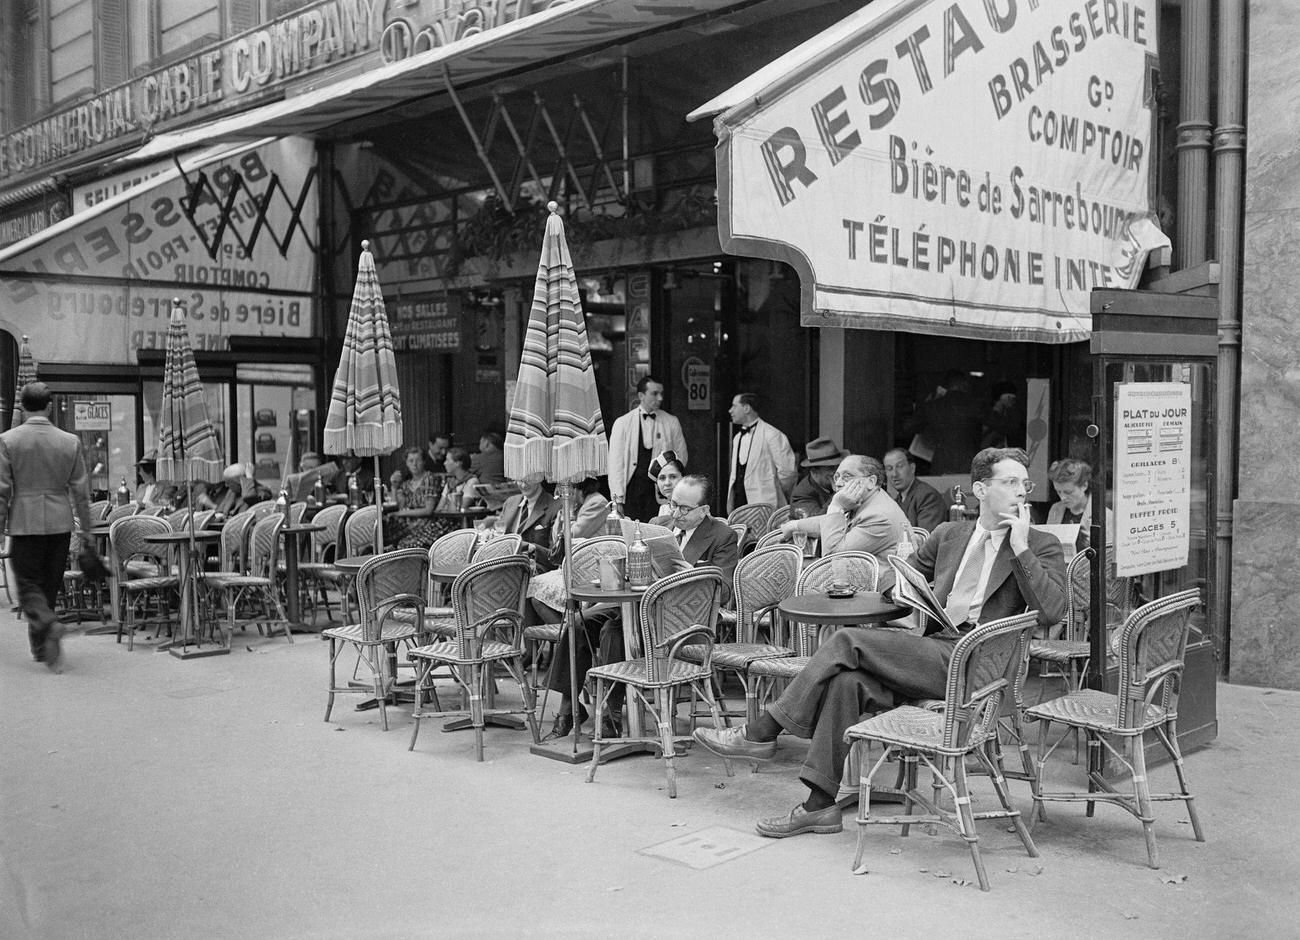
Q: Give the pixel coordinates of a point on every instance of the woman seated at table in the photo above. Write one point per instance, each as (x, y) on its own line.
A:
(666, 470)
(413, 524)
(547, 589)
(458, 491)
(1072, 480)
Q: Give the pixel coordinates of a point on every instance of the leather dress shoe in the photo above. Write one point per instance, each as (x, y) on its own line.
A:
(799, 821)
(731, 743)
(563, 725)
(53, 651)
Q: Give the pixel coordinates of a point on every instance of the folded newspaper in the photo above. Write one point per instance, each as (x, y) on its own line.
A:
(911, 588)
(665, 555)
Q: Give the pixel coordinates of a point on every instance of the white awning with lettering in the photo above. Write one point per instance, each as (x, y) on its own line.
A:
(550, 35)
(958, 167)
(236, 243)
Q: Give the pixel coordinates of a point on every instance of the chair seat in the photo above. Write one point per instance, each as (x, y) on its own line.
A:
(786, 667)
(635, 672)
(1059, 651)
(448, 651)
(245, 580)
(546, 632)
(149, 584)
(905, 726)
(142, 569)
(391, 633)
(736, 655)
(1094, 709)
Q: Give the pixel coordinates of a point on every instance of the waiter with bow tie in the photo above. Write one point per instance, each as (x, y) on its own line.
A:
(636, 439)
(763, 468)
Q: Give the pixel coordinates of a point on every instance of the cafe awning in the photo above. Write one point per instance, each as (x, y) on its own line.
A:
(551, 35)
(962, 168)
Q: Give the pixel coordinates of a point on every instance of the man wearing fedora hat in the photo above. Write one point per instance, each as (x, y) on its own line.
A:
(813, 493)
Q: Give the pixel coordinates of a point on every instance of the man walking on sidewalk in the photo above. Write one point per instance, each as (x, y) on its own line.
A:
(42, 477)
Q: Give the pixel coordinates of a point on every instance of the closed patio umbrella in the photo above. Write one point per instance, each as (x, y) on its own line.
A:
(26, 373)
(188, 448)
(556, 432)
(365, 414)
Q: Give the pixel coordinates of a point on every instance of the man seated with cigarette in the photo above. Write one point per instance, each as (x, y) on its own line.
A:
(983, 570)
(702, 540)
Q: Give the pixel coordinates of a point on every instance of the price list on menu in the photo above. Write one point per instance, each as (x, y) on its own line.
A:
(1152, 466)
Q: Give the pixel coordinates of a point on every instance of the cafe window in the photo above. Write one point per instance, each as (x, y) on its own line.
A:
(29, 62)
(71, 47)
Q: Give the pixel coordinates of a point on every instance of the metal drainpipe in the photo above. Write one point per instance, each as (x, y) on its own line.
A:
(1229, 159)
(1193, 135)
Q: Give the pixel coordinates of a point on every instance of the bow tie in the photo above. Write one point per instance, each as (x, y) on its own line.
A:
(647, 414)
(746, 429)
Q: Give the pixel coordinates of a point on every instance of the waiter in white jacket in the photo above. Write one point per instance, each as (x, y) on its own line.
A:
(636, 439)
(763, 468)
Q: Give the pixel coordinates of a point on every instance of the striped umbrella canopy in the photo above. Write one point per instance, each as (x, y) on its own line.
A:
(556, 432)
(26, 373)
(365, 415)
(188, 448)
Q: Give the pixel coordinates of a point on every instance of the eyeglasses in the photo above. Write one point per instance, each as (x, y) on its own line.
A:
(677, 507)
(844, 477)
(1012, 482)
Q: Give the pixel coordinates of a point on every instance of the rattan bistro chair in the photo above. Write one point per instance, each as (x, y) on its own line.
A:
(130, 551)
(487, 599)
(500, 546)
(982, 669)
(762, 579)
(677, 611)
(1068, 655)
(259, 588)
(386, 584)
(1152, 650)
(754, 517)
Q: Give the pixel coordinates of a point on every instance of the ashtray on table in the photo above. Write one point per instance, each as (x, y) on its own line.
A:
(841, 595)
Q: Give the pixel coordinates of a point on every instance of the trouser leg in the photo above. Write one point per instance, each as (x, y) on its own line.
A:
(39, 562)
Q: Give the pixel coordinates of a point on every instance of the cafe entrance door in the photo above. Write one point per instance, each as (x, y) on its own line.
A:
(1154, 373)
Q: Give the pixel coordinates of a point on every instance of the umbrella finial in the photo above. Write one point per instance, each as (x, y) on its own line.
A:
(24, 337)
(365, 244)
(176, 301)
(553, 206)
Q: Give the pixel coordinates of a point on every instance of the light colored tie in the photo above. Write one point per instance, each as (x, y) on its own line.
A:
(968, 579)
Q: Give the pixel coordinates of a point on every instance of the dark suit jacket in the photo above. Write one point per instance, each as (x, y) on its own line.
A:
(537, 526)
(714, 543)
(1033, 580)
(924, 506)
(42, 479)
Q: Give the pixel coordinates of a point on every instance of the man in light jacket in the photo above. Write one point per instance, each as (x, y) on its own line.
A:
(763, 468)
(42, 477)
(636, 439)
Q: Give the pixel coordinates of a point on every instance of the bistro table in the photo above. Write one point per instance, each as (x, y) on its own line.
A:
(629, 599)
(105, 549)
(863, 607)
(189, 565)
(291, 535)
(464, 517)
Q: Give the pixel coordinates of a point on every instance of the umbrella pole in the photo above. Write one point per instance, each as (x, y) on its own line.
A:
(379, 510)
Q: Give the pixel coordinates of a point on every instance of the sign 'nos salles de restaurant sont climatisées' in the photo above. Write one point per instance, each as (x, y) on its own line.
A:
(971, 167)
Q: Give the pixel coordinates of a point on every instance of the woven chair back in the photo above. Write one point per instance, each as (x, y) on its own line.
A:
(264, 545)
(489, 596)
(986, 663)
(767, 539)
(178, 519)
(121, 512)
(127, 537)
(262, 509)
(671, 605)
(1152, 652)
(201, 519)
(859, 570)
(1078, 595)
(917, 534)
(389, 582)
(234, 542)
(454, 548)
(296, 512)
(741, 531)
(99, 509)
(585, 560)
(499, 547)
(753, 515)
(762, 580)
(359, 532)
(324, 539)
(779, 517)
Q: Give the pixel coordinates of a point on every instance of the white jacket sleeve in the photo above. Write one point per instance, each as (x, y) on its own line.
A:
(618, 458)
(787, 468)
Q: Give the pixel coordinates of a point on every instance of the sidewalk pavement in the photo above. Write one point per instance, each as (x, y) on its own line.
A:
(144, 796)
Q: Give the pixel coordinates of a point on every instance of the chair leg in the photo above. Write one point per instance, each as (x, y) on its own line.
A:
(518, 671)
(1004, 797)
(1142, 793)
(422, 669)
(663, 703)
(477, 678)
(597, 742)
(864, 798)
(1169, 736)
(329, 705)
(967, 819)
(377, 667)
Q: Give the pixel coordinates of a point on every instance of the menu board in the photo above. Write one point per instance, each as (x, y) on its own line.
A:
(1153, 448)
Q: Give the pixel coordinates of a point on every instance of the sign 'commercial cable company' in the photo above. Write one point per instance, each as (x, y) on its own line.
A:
(972, 168)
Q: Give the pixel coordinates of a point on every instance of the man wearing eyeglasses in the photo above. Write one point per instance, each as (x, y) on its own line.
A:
(993, 567)
(861, 516)
(703, 540)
